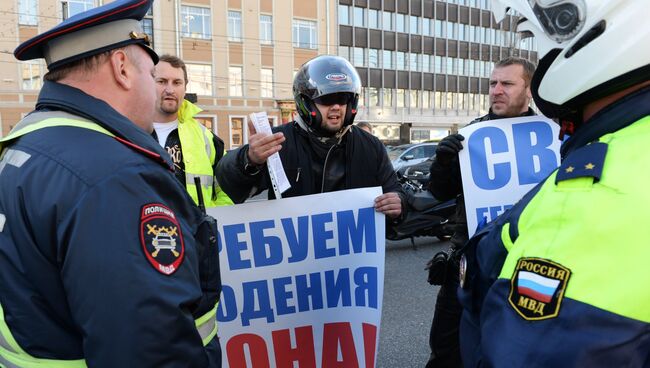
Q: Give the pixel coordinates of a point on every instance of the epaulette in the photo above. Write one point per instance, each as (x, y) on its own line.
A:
(587, 161)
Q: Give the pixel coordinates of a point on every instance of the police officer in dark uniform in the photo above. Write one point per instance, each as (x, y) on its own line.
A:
(509, 97)
(99, 260)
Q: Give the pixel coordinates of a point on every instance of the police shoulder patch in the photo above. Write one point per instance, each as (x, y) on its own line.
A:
(161, 238)
(537, 288)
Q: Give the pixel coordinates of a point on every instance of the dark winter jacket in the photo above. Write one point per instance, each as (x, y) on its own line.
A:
(358, 161)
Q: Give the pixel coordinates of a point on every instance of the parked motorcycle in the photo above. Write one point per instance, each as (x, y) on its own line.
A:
(426, 215)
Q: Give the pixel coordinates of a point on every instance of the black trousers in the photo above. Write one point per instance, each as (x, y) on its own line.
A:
(443, 337)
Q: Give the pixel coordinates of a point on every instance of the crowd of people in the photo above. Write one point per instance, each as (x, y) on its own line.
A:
(105, 185)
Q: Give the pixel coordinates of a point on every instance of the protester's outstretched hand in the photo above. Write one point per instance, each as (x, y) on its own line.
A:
(261, 146)
(390, 204)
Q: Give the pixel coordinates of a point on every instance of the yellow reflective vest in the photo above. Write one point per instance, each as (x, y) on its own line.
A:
(199, 155)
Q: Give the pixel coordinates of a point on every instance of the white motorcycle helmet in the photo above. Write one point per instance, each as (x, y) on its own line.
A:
(588, 49)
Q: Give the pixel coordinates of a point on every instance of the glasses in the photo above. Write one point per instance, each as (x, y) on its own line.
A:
(334, 99)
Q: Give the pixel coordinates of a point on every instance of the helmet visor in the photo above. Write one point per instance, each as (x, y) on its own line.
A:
(334, 99)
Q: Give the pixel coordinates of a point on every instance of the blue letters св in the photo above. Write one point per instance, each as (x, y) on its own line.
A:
(478, 158)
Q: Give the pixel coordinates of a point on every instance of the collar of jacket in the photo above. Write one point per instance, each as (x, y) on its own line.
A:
(57, 96)
(614, 117)
(187, 111)
(493, 116)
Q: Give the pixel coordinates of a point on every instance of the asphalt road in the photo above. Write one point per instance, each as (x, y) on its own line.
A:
(408, 304)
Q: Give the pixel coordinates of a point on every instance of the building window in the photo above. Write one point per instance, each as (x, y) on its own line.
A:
(426, 63)
(415, 24)
(438, 64)
(438, 101)
(359, 56)
(387, 59)
(439, 28)
(373, 18)
(344, 52)
(415, 62)
(401, 97)
(426, 99)
(147, 26)
(461, 101)
(451, 101)
(420, 135)
(28, 12)
(359, 17)
(414, 98)
(266, 29)
(304, 34)
(74, 7)
(426, 26)
(199, 79)
(400, 22)
(451, 67)
(460, 67)
(401, 60)
(31, 74)
(387, 21)
(234, 26)
(373, 58)
(236, 131)
(235, 75)
(387, 97)
(373, 96)
(266, 82)
(344, 15)
(195, 22)
(451, 30)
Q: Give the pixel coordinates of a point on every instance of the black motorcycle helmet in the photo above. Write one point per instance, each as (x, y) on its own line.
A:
(323, 80)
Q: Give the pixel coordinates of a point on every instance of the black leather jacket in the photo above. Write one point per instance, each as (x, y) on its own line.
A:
(359, 160)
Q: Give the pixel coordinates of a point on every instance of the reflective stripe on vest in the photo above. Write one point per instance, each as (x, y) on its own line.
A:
(11, 354)
(206, 180)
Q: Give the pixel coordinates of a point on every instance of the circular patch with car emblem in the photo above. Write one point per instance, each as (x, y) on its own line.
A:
(161, 238)
(537, 288)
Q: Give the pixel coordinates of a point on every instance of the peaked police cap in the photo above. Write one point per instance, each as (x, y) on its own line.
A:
(111, 26)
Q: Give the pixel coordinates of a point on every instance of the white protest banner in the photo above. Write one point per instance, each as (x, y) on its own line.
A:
(302, 280)
(502, 160)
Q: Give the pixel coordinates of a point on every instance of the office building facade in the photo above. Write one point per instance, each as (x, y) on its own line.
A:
(424, 64)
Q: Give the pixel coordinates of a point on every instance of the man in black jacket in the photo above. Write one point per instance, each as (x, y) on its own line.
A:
(321, 150)
(510, 96)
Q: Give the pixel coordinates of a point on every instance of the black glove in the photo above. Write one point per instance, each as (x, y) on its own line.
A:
(449, 147)
(437, 268)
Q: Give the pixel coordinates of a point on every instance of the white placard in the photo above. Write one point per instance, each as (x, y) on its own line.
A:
(502, 160)
(302, 280)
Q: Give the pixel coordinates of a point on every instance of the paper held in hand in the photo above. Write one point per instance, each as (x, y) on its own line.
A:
(276, 170)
